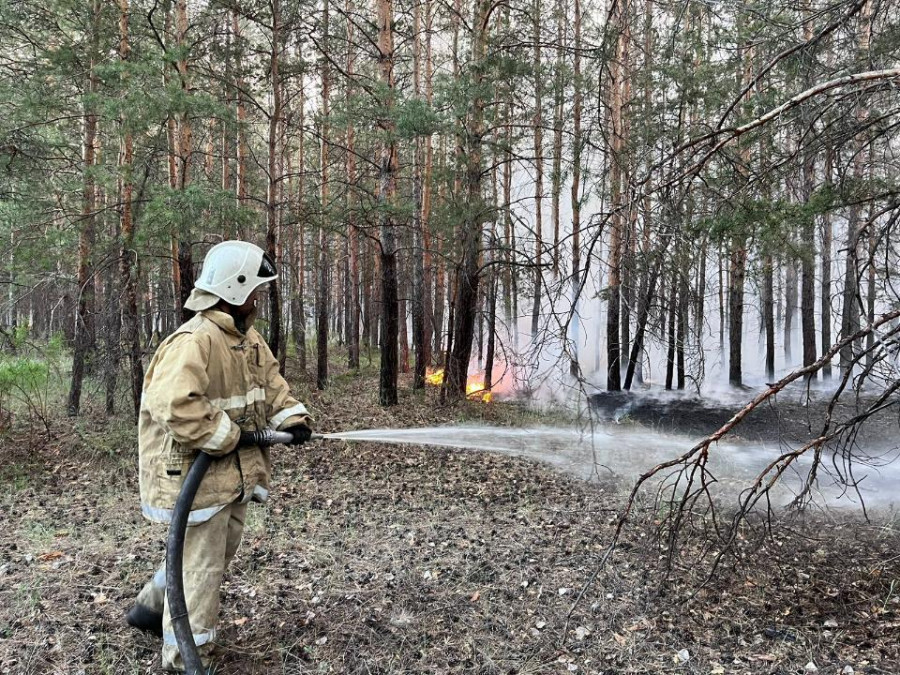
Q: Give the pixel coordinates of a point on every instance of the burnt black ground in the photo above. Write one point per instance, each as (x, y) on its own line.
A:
(794, 415)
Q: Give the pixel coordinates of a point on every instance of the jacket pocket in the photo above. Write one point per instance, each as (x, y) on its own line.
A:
(174, 459)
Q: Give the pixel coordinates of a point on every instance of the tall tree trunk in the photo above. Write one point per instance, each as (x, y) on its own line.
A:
(808, 241)
(274, 169)
(558, 98)
(420, 344)
(322, 286)
(574, 368)
(870, 289)
(827, 236)
(700, 308)
(472, 230)
(132, 335)
(402, 324)
(537, 124)
(172, 165)
(720, 257)
(646, 208)
(768, 311)
(366, 301)
(736, 310)
(738, 243)
(241, 115)
(453, 289)
(428, 272)
(511, 308)
(352, 230)
(112, 331)
(440, 278)
(493, 282)
(184, 256)
(84, 322)
(387, 171)
(210, 153)
(790, 308)
(645, 303)
(300, 323)
(628, 246)
(670, 351)
(225, 142)
(616, 106)
(682, 321)
(852, 302)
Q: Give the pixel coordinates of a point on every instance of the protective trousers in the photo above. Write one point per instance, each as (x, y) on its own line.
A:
(208, 549)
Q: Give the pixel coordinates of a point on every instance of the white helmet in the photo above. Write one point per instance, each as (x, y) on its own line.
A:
(232, 269)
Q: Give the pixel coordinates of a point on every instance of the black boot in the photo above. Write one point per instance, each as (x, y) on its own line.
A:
(146, 619)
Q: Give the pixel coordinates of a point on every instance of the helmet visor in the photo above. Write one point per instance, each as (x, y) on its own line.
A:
(267, 269)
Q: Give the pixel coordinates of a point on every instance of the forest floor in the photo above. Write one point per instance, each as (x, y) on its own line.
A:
(404, 559)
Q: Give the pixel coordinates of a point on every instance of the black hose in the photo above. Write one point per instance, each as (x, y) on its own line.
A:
(181, 624)
(178, 611)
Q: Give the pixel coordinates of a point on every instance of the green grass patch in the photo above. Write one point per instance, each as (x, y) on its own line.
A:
(15, 477)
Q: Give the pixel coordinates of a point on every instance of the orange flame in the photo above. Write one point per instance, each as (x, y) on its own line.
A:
(475, 390)
(435, 376)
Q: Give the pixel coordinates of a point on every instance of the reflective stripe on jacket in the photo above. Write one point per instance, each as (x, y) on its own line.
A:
(206, 383)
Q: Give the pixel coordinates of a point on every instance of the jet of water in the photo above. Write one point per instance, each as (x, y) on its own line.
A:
(624, 451)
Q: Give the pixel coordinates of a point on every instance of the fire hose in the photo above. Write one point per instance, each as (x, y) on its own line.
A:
(181, 624)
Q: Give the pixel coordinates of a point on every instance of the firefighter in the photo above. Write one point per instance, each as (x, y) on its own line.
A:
(211, 379)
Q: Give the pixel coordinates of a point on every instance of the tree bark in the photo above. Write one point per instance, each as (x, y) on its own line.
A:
(614, 288)
(682, 326)
(132, 334)
(184, 149)
(537, 125)
(387, 171)
(300, 299)
(670, 330)
(84, 322)
(472, 230)
(850, 304)
(827, 236)
(574, 367)
(440, 283)
(352, 229)
(274, 170)
(420, 343)
(225, 142)
(427, 188)
(790, 308)
(322, 287)
(738, 253)
(807, 238)
(558, 99)
(493, 282)
(241, 114)
(850, 312)
(736, 310)
(768, 311)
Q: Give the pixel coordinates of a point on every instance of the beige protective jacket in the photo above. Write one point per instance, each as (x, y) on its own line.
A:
(206, 383)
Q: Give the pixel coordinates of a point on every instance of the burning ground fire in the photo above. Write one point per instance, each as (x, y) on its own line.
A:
(474, 385)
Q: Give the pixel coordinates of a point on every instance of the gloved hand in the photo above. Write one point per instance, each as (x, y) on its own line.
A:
(300, 432)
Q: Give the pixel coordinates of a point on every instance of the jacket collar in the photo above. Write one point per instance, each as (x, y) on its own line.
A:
(224, 321)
